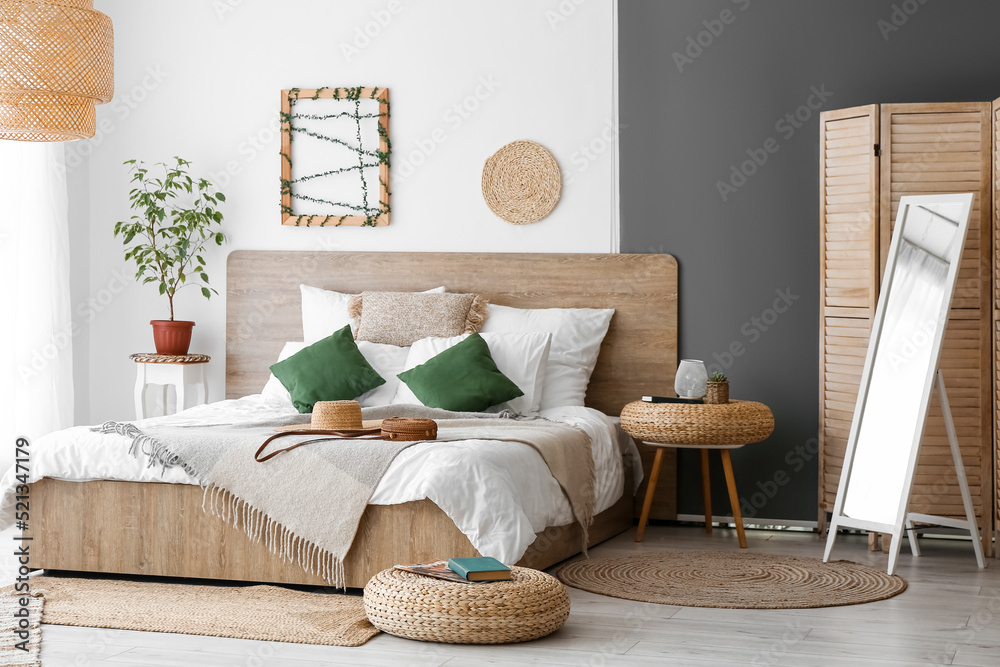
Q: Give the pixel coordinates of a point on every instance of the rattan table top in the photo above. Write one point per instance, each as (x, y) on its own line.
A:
(732, 424)
(153, 358)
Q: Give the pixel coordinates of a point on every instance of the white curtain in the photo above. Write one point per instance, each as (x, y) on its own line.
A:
(36, 328)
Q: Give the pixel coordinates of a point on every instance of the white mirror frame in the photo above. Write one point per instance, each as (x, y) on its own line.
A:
(903, 520)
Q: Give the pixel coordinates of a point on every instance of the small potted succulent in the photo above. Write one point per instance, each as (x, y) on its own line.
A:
(717, 389)
(171, 235)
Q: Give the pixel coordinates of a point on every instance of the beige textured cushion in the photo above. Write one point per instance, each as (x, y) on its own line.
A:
(401, 318)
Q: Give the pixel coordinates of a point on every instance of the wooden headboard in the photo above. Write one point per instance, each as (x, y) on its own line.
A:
(639, 354)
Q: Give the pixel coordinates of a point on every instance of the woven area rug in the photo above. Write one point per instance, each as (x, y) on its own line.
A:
(268, 613)
(732, 580)
(14, 648)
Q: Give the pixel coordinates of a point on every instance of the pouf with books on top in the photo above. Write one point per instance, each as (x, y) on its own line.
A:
(530, 605)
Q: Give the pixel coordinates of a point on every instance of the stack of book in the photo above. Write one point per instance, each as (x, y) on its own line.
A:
(462, 570)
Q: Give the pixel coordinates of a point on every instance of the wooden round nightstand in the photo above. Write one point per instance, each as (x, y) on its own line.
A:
(705, 426)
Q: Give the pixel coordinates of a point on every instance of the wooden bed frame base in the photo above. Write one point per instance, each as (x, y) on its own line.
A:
(161, 529)
(153, 529)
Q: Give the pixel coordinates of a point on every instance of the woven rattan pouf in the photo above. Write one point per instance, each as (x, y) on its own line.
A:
(531, 605)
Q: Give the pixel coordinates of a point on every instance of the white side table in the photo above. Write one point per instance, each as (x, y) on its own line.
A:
(177, 370)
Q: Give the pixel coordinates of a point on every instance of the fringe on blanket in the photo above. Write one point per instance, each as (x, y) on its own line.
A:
(221, 503)
(279, 540)
(156, 453)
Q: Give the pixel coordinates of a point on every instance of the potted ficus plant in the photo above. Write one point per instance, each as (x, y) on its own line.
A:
(717, 389)
(176, 217)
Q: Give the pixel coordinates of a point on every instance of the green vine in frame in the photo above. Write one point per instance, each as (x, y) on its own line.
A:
(367, 158)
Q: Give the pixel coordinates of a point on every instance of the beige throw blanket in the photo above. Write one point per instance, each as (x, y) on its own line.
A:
(306, 504)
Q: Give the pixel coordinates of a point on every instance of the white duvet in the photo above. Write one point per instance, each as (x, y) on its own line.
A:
(499, 494)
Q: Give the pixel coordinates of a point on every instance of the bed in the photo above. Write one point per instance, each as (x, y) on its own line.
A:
(161, 529)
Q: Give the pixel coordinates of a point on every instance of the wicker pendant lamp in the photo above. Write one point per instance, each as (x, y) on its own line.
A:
(56, 65)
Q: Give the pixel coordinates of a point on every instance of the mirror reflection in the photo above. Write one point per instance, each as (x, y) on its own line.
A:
(904, 361)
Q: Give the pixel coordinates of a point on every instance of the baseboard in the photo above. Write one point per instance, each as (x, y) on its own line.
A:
(755, 522)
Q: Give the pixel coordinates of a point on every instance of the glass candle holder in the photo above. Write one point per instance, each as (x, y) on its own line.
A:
(691, 379)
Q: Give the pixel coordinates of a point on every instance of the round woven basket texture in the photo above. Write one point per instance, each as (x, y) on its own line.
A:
(733, 423)
(404, 428)
(531, 605)
(522, 182)
(56, 64)
(336, 415)
(731, 580)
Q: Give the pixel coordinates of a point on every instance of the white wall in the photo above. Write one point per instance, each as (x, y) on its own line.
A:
(201, 79)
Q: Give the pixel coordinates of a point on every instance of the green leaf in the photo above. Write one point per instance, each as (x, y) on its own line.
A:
(163, 288)
(206, 293)
(220, 196)
(204, 276)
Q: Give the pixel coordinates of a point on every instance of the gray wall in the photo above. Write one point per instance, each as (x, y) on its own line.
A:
(689, 118)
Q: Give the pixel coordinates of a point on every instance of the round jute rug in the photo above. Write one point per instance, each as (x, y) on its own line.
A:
(732, 580)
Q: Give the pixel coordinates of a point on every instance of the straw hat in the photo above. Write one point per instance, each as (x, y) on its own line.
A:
(335, 416)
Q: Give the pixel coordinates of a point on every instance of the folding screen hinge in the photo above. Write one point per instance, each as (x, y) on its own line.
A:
(878, 151)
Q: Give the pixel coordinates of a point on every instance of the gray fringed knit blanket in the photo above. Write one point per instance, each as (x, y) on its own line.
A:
(306, 504)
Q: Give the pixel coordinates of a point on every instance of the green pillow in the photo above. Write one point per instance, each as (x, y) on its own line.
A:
(463, 378)
(332, 369)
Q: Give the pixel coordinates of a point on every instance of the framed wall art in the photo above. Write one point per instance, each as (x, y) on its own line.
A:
(335, 157)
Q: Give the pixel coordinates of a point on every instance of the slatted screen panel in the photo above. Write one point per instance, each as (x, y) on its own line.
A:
(947, 149)
(849, 210)
(849, 237)
(942, 149)
(846, 343)
(996, 309)
(935, 487)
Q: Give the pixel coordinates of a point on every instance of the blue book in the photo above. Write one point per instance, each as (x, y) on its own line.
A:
(479, 569)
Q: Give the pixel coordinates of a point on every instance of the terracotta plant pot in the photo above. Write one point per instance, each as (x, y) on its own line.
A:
(172, 336)
(717, 392)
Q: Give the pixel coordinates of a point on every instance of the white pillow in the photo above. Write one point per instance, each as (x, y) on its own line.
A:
(387, 360)
(577, 334)
(519, 356)
(325, 311)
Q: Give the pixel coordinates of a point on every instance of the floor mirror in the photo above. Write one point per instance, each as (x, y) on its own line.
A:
(900, 374)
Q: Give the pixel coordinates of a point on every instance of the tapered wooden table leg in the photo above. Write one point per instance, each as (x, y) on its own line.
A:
(647, 504)
(734, 499)
(706, 490)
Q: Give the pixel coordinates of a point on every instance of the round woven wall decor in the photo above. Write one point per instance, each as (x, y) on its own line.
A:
(522, 182)
(731, 580)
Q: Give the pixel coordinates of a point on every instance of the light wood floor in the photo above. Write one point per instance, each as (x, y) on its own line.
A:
(949, 615)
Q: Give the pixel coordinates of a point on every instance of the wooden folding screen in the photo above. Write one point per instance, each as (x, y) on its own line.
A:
(917, 149)
(996, 310)
(849, 267)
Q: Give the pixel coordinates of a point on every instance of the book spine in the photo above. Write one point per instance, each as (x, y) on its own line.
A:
(458, 569)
